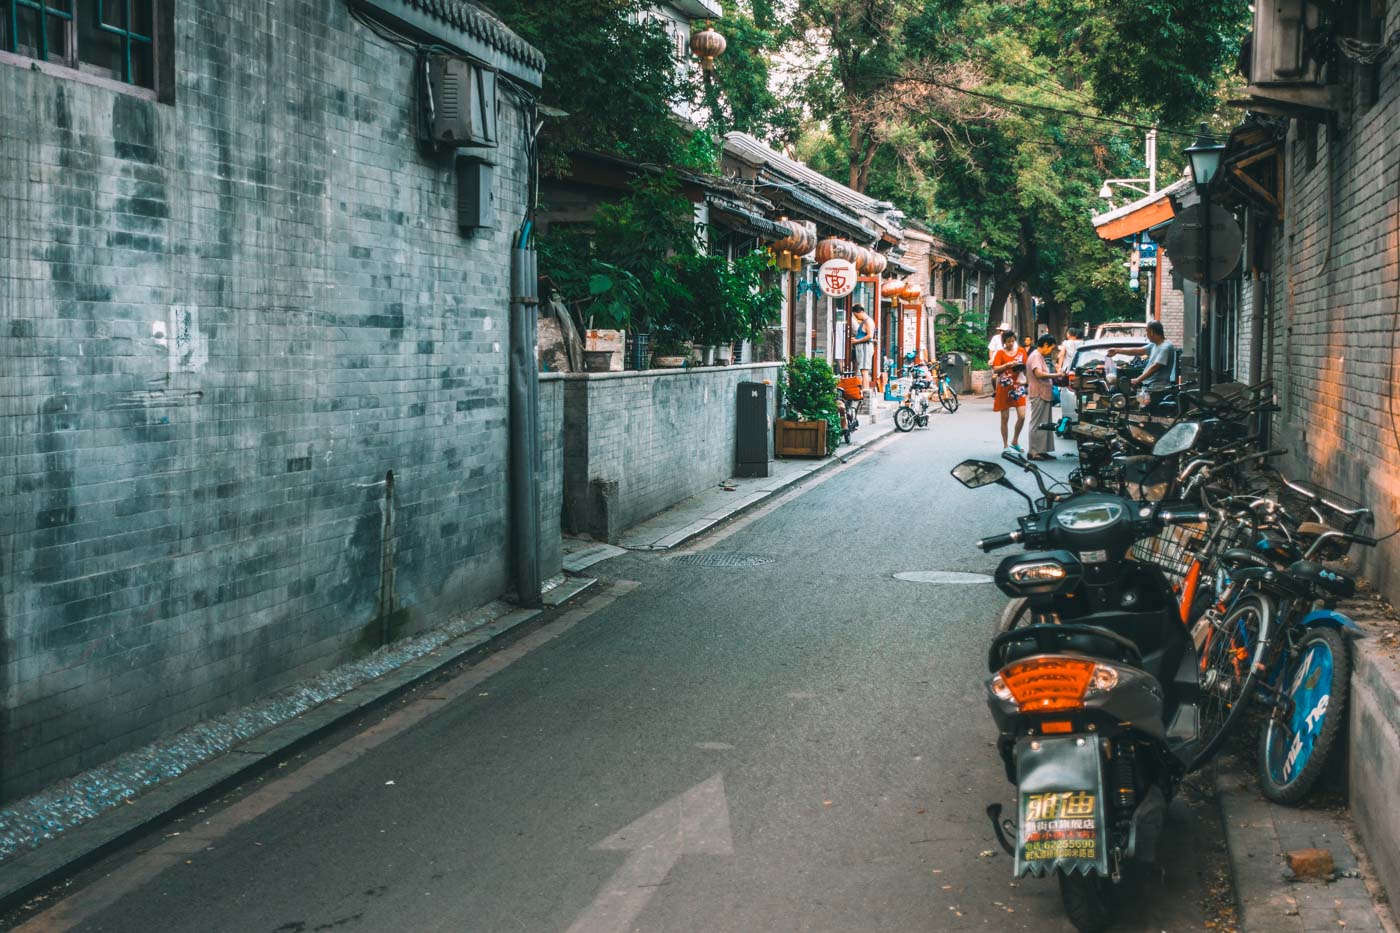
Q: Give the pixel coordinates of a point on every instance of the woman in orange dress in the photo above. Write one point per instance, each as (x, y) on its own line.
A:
(1009, 366)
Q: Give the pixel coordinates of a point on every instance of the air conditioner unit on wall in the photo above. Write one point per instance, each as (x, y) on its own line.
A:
(1282, 45)
(462, 102)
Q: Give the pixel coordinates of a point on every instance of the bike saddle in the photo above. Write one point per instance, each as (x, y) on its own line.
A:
(1236, 557)
(1320, 578)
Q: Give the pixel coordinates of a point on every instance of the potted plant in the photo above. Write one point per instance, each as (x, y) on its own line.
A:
(813, 424)
(670, 352)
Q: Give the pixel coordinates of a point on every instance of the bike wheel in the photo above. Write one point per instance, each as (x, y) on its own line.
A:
(904, 418)
(1088, 901)
(1301, 734)
(949, 398)
(1231, 654)
(1013, 614)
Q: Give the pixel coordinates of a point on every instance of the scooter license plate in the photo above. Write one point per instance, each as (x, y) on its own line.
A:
(1061, 816)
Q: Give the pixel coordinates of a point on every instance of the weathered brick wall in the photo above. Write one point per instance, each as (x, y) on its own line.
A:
(1336, 311)
(226, 321)
(1173, 302)
(661, 436)
(551, 473)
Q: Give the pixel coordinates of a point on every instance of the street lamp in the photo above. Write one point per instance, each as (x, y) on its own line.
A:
(1204, 157)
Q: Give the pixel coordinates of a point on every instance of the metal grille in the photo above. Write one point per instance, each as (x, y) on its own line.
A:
(722, 559)
(1172, 550)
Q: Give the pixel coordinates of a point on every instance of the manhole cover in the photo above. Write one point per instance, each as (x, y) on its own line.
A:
(709, 559)
(946, 577)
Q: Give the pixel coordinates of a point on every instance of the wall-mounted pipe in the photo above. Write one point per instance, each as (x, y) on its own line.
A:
(524, 436)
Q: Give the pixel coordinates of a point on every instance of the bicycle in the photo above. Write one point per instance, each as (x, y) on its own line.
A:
(1267, 635)
(943, 383)
(905, 416)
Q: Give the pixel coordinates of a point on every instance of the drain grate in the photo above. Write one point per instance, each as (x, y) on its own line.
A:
(722, 559)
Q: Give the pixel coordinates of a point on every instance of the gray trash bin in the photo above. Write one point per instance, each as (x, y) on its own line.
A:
(959, 369)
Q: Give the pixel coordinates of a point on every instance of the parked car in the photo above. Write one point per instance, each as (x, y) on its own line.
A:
(1134, 329)
(1088, 370)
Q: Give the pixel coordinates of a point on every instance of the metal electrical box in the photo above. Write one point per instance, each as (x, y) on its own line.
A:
(476, 197)
(753, 429)
(461, 102)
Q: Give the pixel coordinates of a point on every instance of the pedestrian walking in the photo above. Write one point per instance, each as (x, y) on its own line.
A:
(1040, 380)
(1009, 366)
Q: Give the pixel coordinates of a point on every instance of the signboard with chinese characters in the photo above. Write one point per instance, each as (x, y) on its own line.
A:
(1061, 819)
(837, 277)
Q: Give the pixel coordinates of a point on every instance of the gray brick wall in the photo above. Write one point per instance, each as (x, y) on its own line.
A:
(226, 320)
(1336, 311)
(661, 436)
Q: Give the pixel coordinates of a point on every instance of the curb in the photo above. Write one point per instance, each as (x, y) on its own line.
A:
(1258, 836)
(27, 875)
(695, 530)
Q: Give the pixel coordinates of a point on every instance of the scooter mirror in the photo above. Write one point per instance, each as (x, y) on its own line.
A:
(1178, 439)
(975, 474)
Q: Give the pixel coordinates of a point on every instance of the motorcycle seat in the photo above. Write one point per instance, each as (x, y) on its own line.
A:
(1320, 578)
(1242, 557)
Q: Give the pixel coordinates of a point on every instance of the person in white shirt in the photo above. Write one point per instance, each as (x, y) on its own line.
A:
(1068, 349)
(995, 343)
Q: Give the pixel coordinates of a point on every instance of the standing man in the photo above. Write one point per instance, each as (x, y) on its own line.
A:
(1068, 348)
(862, 343)
(1041, 389)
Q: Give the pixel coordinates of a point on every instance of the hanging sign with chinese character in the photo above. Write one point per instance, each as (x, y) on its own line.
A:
(837, 277)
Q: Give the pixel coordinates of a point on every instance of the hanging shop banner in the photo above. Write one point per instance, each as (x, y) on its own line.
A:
(838, 277)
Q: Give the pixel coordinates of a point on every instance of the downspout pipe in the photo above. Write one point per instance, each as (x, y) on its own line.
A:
(524, 400)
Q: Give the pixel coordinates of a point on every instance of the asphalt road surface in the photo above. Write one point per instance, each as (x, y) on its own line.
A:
(797, 743)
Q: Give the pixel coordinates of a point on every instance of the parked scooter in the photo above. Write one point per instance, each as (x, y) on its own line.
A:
(848, 398)
(1093, 690)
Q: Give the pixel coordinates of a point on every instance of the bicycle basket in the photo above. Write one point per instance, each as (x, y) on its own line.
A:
(1173, 550)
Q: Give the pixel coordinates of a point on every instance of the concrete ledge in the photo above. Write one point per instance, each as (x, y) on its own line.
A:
(1374, 755)
(661, 373)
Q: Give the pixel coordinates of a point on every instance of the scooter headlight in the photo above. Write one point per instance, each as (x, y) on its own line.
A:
(1041, 571)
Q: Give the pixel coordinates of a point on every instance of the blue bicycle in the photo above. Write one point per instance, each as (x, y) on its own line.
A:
(1281, 638)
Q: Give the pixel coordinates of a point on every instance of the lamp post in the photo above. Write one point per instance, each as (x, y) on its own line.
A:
(1204, 155)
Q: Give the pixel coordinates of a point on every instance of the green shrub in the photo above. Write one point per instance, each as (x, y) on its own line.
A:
(809, 392)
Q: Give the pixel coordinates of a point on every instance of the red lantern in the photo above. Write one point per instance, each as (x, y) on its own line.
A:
(892, 288)
(878, 262)
(708, 45)
(835, 248)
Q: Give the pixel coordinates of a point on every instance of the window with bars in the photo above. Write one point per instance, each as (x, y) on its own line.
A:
(111, 38)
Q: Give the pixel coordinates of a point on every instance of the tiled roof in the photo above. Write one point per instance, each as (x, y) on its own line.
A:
(478, 22)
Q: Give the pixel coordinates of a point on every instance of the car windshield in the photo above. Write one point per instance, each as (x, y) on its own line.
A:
(1089, 356)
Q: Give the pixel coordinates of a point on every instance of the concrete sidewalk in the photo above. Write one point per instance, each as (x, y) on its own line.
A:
(71, 824)
(694, 516)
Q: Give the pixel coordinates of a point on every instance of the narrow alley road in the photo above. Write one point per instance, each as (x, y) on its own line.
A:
(795, 742)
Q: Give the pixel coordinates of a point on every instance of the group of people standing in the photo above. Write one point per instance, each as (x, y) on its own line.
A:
(1034, 370)
(1022, 371)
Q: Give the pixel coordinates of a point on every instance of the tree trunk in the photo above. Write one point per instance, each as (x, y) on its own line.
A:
(1015, 276)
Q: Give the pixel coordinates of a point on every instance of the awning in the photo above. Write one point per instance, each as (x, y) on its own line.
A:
(746, 221)
(1143, 214)
(1252, 170)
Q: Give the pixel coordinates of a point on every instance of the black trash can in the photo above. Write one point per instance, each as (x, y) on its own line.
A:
(959, 370)
(753, 428)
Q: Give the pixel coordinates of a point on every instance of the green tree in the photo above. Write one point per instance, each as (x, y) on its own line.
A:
(610, 66)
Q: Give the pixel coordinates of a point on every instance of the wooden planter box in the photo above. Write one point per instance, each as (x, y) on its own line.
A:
(799, 438)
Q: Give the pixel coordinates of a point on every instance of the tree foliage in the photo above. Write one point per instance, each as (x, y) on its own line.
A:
(611, 68)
